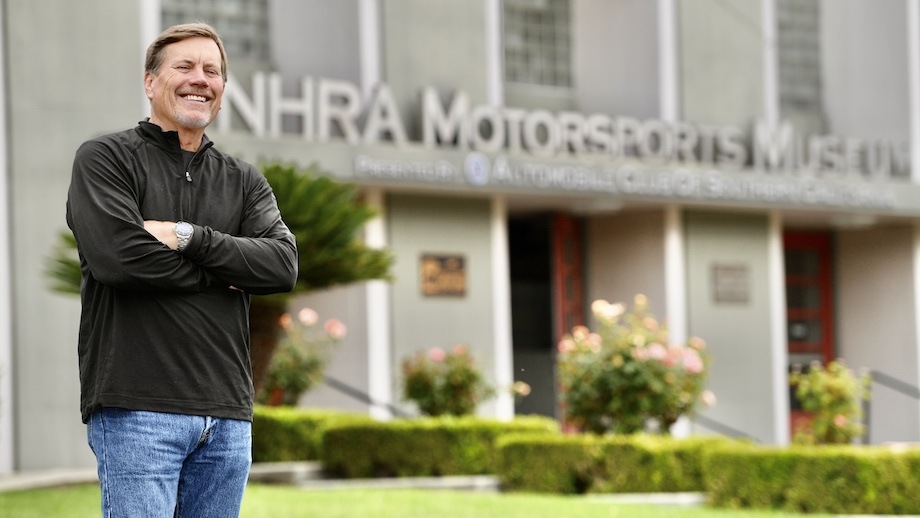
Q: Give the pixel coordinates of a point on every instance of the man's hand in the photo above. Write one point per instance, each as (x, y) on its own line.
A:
(163, 231)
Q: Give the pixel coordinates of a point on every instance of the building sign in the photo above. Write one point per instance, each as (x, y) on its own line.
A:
(731, 283)
(330, 109)
(443, 275)
(594, 155)
(634, 180)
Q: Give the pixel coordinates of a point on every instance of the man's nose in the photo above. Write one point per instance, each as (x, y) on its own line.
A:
(198, 77)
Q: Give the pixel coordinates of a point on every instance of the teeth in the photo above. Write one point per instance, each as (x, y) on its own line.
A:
(195, 98)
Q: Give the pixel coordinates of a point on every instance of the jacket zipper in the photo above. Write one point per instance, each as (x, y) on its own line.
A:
(188, 178)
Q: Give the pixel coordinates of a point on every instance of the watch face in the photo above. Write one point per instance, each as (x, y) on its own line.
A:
(183, 228)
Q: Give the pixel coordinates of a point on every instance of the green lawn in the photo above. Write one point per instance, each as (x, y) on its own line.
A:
(265, 501)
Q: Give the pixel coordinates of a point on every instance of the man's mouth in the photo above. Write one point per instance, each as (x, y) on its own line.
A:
(195, 98)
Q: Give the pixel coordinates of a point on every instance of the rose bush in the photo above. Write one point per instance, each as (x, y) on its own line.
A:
(625, 377)
(441, 382)
(833, 395)
(299, 362)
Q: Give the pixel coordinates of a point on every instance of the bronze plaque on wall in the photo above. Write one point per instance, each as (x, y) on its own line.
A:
(443, 275)
(731, 283)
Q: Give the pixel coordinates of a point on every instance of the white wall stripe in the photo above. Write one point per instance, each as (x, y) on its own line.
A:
(913, 56)
(6, 275)
(495, 76)
(770, 65)
(913, 66)
(668, 81)
(150, 27)
(369, 24)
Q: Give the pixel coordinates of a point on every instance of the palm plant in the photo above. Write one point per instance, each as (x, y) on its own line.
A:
(326, 218)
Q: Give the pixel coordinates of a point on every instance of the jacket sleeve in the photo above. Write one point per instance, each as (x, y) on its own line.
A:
(103, 213)
(263, 258)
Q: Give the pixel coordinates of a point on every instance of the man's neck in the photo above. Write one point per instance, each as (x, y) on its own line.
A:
(189, 138)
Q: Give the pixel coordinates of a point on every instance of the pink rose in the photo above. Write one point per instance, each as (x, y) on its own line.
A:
(307, 317)
(594, 342)
(335, 328)
(840, 420)
(286, 321)
(436, 354)
(656, 351)
(692, 361)
(709, 399)
(640, 354)
(566, 345)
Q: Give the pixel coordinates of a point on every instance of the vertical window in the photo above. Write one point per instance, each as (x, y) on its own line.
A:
(799, 60)
(242, 24)
(537, 42)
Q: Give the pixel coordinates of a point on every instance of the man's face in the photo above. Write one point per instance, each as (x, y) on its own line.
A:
(185, 93)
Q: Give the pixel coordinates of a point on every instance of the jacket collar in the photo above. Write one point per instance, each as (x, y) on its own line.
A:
(167, 140)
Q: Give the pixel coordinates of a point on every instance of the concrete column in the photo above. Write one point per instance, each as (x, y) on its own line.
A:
(379, 361)
(776, 270)
(501, 302)
(675, 273)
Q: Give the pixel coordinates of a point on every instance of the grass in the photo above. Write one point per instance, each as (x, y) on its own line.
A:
(270, 501)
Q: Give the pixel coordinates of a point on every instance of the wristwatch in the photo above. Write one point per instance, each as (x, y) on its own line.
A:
(184, 231)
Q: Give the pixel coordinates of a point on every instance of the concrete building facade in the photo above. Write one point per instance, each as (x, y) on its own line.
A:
(746, 165)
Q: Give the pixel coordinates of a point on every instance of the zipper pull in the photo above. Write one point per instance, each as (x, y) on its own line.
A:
(188, 177)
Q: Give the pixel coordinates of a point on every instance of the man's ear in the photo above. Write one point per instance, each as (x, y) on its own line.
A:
(148, 84)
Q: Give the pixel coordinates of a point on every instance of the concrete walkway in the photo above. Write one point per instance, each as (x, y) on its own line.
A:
(309, 476)
(306, 475)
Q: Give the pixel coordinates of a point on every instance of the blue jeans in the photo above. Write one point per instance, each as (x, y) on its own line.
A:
(170, 465)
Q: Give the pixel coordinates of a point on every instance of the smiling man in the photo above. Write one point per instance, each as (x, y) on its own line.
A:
(173, 237)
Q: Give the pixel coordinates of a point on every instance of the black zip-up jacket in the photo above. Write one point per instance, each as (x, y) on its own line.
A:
(163, 330)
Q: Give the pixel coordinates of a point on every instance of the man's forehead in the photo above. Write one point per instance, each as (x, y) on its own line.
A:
(196, 48)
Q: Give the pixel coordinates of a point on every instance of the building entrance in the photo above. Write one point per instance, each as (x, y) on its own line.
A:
(809, 305)
(547, 299)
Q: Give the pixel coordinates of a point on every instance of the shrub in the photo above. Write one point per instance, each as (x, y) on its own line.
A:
(832, 479)
(626, 378)
(421, 446)
(299, 362)
(444, 383)
(292, 434)
(603, 464)
(833, 395)
(564, 464)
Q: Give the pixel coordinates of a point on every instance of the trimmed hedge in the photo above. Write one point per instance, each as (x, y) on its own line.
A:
(291, 433)
(826, 479)
(429, 446)
(574, 464)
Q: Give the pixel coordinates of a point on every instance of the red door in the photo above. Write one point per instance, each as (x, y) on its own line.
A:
(809, 296)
